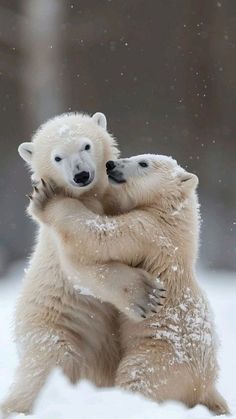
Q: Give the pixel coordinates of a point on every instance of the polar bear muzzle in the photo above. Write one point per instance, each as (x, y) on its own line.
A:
(83, 178)
(114, 175)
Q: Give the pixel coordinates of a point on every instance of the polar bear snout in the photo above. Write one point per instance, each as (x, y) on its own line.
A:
(114, 174)
(110, 165)
(82, 178)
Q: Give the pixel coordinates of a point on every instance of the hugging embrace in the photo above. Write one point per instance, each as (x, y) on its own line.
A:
(110, 294)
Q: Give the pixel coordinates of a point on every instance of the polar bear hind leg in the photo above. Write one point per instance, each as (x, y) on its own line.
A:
(155, 375)
(216, 403)
(31, 374)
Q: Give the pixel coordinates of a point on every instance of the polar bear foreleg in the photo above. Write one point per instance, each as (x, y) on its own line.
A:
(130, 290)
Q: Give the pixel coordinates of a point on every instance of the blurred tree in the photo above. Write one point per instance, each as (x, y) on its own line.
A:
(43, 50)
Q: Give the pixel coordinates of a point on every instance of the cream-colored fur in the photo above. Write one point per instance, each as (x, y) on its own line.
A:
(171, 355)
(58, 322)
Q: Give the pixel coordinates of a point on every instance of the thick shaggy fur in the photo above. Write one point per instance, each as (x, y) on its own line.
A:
(58, 322)
(171, 355)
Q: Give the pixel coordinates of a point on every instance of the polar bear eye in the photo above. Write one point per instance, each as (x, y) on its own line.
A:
(143, 164)
(57, 158)
(87, 147)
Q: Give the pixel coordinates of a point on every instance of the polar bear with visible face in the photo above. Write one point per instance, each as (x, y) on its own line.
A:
(58, 321)
(171, 355)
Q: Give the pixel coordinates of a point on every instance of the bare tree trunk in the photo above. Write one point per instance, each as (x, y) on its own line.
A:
(39, 52)
(42, 86)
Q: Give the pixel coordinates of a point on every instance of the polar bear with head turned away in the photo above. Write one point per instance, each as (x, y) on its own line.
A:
(154, 224)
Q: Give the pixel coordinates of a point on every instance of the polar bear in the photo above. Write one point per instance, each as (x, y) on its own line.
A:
(58, 321)
(171, 355)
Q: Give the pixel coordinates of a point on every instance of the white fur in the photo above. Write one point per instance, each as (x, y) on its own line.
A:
(57, 322)
(25, 151)
(100, 119)
(156, 226)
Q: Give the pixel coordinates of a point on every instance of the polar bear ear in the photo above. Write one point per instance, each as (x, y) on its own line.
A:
(25, 150)
(100, 119)
(189, 181)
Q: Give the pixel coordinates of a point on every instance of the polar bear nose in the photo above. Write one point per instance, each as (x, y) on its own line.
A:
(81, 177)
(110, 165)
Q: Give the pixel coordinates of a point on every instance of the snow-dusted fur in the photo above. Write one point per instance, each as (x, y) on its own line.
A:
(57, 323)
(171, 355)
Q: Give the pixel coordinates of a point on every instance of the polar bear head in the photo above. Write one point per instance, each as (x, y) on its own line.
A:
(151, 179)
(71, 150)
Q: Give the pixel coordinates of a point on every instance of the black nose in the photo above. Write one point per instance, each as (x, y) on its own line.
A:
(110, 165)
(81, 177)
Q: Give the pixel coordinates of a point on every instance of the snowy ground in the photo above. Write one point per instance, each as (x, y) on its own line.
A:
(59, 400)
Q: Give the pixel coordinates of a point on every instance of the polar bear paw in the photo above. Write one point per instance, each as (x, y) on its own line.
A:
(144, 297)
(43, 193)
